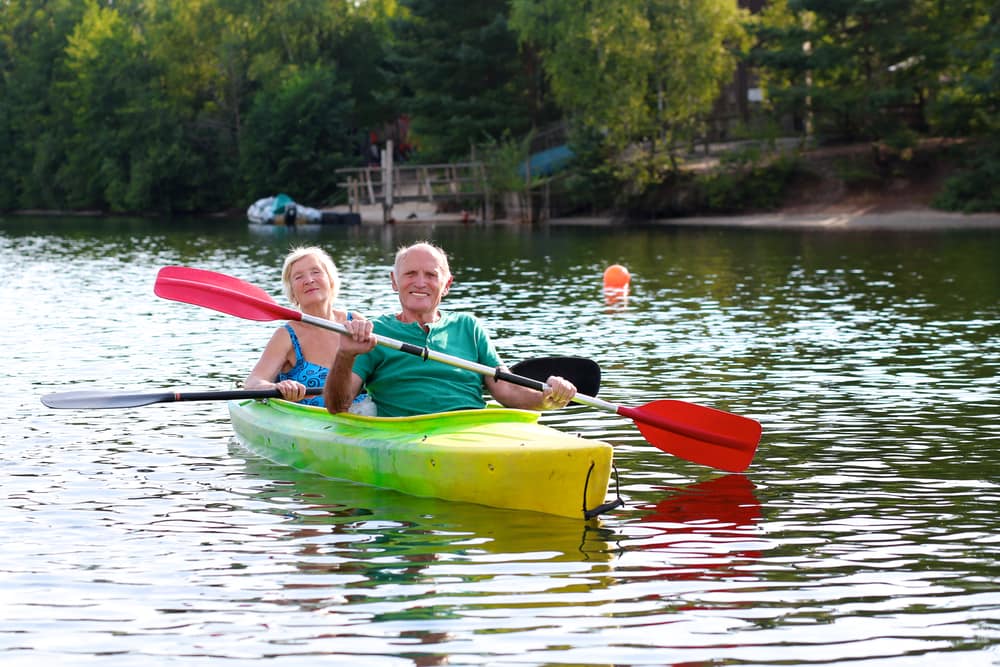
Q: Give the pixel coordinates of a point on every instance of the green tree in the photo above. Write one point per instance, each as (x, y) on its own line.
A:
(864, 69)
(972, 107)
(244, 91)
(32, 127)
(642, 73)
(116, 115)
(299, 158)
(969, 102)
(463, 79)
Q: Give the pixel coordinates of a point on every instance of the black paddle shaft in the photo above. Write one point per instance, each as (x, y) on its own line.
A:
(584, 373)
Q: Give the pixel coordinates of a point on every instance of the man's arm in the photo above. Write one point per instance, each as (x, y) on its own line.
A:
(512, 395)
(342, 384)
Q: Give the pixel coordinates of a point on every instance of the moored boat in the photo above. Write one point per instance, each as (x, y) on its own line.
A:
(494, 456)
(282, 211)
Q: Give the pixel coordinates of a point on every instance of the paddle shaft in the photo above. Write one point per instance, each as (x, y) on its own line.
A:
(498, 374)
(582, 372)
(237, 394)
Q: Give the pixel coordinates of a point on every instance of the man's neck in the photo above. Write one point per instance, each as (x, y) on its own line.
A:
(425, 320)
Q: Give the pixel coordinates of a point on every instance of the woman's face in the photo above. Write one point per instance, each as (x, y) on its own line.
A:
(310, 282)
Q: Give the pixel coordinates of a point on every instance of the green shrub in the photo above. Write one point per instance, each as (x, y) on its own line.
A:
(759, 188)
(976, 187)
(857, 173)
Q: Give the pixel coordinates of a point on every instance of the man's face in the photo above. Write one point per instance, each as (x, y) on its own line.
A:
(421, 281)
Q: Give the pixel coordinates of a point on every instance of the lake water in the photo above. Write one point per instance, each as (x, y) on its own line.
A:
(866, 531)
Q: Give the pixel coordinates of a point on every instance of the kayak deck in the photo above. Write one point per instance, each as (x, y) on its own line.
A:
(495, 456)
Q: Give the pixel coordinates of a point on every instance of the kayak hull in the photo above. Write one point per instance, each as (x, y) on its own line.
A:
(495, 456)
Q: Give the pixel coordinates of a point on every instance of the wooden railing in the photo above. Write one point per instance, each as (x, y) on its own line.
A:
(390, 184)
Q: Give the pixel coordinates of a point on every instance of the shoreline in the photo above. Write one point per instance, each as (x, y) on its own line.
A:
(828, 219)
(868, 213)
(849, 220)
(883, 215)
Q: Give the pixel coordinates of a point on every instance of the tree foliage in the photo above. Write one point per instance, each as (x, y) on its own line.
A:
(864, 69)
(463, 79)
(32, 35)
(195, 105)
(283, 157)
(643, 73)
(169, 105)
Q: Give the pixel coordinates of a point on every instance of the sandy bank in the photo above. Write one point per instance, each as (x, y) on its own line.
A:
(908, 220)
(833, 218)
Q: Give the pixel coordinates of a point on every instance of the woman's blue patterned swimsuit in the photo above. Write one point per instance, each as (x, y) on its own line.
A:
(306, 372)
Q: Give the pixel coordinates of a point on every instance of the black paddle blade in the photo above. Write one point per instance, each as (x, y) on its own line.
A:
(584, 373)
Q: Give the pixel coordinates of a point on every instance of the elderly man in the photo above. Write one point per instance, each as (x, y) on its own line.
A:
(403, 384)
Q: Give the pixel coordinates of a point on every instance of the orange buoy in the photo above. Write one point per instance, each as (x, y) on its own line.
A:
(616, 277)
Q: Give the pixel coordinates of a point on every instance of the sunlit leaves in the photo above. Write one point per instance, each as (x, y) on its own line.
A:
(640, 72)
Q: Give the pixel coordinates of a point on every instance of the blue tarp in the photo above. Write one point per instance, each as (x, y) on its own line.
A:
(548, 162)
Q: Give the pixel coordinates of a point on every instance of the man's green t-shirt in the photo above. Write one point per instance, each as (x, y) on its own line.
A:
(404, 384)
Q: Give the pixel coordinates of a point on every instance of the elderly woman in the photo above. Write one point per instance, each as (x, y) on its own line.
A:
(299, 355)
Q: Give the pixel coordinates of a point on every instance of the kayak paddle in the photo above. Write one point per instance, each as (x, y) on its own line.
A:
(578, 370)
(123, 399)
(697, 433)
(584, 373)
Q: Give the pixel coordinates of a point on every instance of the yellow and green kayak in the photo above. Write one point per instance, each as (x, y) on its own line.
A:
(494, 456)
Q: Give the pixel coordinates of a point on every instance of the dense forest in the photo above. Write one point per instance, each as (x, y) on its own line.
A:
(179, 106)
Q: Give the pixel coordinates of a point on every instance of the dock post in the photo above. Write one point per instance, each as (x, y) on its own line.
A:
(387, 182)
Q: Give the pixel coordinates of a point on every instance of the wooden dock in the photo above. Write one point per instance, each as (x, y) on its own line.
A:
(390, 184)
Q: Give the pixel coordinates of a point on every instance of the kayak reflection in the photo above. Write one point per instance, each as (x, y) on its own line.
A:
(322, 512)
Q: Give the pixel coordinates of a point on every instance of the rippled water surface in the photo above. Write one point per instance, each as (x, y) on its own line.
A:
(865, 532)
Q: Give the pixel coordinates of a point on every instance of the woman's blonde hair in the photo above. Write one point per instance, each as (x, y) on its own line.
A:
(324, 260)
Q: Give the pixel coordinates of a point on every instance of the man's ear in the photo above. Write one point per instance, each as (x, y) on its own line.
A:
(392, 277)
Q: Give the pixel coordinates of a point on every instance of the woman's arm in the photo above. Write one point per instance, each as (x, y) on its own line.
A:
(271, 361)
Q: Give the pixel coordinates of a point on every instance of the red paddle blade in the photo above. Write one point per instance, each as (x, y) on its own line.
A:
(220, 292)
(697, 433)
(212, 278)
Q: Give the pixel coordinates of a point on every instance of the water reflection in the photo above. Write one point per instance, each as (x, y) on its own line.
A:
(396, 523)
